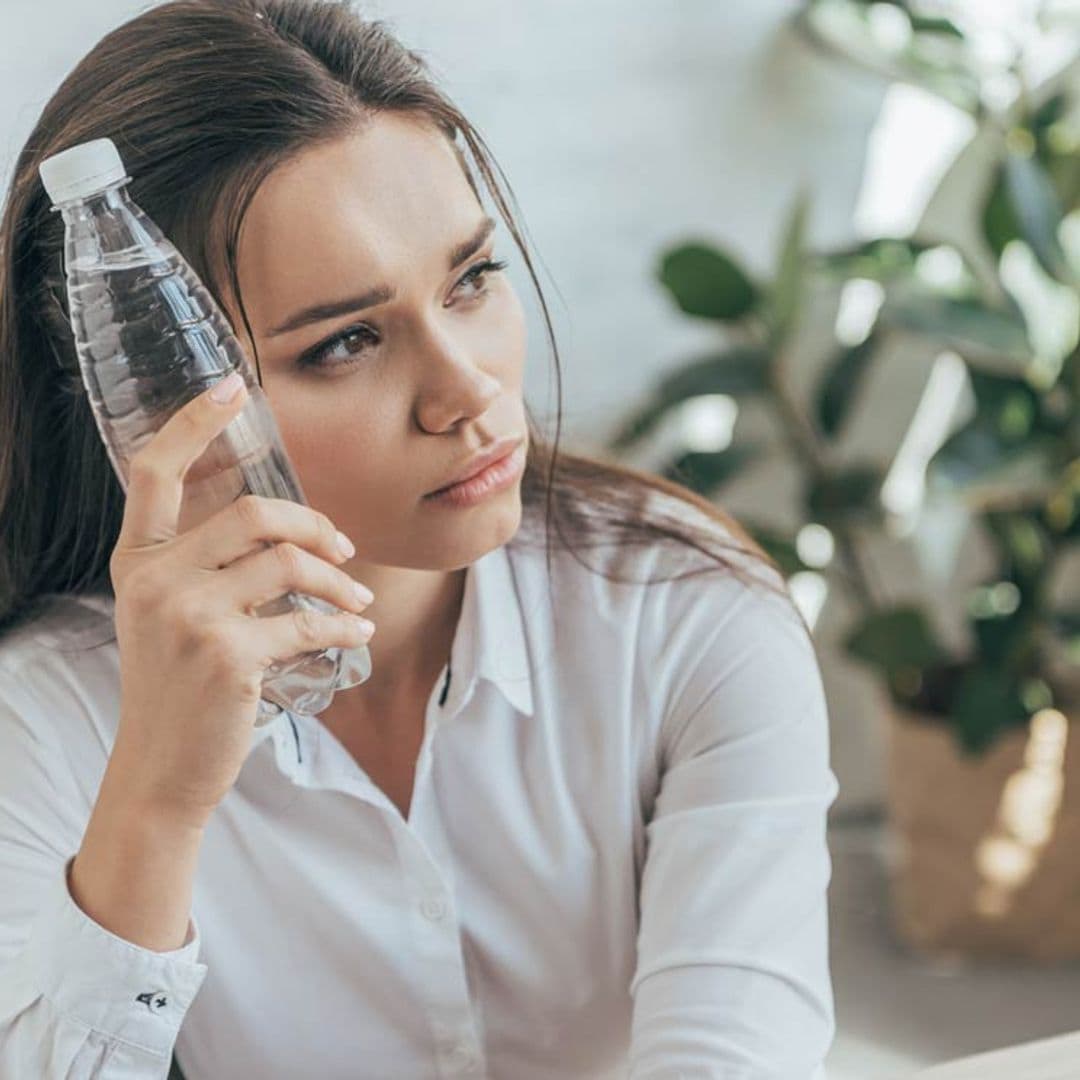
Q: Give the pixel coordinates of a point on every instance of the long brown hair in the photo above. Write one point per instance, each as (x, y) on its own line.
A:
(203, 99)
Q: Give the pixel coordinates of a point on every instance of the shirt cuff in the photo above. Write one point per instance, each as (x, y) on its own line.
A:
(112, 985)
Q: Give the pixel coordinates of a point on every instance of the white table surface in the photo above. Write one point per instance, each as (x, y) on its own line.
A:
(1043, 1059)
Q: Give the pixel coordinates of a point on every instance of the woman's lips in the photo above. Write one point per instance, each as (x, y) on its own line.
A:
(501, 449)
(499, 476)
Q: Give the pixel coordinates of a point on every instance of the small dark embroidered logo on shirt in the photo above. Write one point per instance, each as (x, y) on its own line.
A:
(153, 1000)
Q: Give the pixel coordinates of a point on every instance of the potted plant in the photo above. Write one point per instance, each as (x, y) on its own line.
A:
(983, 783)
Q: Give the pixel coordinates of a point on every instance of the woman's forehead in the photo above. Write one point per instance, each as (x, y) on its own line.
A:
(393, 171)
(377, 206)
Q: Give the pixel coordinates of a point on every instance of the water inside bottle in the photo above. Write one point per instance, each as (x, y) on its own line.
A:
(147, 343)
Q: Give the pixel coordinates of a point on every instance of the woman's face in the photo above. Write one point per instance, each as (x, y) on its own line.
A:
(379, 406)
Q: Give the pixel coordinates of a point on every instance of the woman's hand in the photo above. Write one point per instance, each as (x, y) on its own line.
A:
(192, 657)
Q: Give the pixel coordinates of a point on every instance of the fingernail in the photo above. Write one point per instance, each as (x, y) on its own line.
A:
(345, 546)
(365, 594)
(225, 390)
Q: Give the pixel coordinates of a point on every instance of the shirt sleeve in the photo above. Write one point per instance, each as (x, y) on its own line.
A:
(75, 999)
(732, 978)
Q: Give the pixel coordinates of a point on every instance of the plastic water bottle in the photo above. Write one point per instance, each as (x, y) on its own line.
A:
(150, 337)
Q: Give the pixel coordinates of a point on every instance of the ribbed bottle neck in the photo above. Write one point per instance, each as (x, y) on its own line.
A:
(113, 197)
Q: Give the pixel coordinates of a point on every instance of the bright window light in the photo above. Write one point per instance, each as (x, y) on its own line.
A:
(860, 302)
(815, 545)
(707, 423)
(904, 488)
(914, 140)
(809, 590)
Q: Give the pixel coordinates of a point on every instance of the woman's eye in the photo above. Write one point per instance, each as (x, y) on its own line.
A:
(356, 340)
(481, 270)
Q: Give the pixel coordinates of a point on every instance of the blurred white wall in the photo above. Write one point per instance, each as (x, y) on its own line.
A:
(624, 126)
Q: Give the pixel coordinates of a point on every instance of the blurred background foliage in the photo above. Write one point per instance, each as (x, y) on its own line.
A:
(1005, 314)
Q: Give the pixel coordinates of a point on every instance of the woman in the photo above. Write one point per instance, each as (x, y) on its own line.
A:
(573, 825)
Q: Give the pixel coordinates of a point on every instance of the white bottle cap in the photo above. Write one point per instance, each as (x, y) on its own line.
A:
(82, 170)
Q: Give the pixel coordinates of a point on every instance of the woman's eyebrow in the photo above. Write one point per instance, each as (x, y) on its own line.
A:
(379, 294)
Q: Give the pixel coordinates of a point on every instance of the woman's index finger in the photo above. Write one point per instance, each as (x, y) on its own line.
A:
(156, 473)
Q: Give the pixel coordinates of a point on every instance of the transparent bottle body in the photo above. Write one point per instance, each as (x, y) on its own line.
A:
(150, 337)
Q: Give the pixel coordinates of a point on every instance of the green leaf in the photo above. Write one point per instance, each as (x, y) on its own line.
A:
(999, 224)
(1002, 436)
(707, 283)
(787, 290)
(1053, 109)
(705, 471)
(841, 382)
(971, 328)
(1007, 406)
(936, 59)
(849, 495)
(931, 24)
(987, 701)
(1067, 625)
(1060, 184)
(884, 259)
(895, 639)
(1038, 213)
(740, 370)
(1003, 639)
(1061, 513)
(976, 454)
(1024, 548)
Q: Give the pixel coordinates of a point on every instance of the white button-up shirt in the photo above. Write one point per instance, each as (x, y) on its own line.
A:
(614, 862)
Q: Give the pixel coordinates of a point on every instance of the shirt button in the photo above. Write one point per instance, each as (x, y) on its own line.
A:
(433, 908)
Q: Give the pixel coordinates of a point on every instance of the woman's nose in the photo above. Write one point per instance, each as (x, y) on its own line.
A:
(452, 383)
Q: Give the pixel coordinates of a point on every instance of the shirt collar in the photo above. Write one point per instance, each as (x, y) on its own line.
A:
(490, 639)
(489, 642)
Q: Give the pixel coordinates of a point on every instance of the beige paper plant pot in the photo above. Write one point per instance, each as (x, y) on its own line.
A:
(985, 851)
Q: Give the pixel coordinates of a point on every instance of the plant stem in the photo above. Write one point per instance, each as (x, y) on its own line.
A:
(807, 449)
